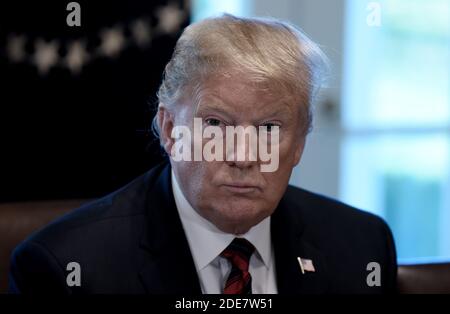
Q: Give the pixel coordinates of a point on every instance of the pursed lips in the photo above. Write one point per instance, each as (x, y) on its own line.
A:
(241, 187)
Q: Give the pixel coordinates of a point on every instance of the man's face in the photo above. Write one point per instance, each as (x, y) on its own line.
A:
(236, 195)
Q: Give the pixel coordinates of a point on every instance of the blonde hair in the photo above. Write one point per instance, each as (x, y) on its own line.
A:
(271, 53)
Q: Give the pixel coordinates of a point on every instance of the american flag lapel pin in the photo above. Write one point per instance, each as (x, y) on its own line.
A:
(306, 265)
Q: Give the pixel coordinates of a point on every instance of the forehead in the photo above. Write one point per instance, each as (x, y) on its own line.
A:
(240, 95)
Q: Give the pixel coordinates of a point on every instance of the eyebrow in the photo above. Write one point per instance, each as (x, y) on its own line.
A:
(283, 112)
(211, 105)
(216, 105)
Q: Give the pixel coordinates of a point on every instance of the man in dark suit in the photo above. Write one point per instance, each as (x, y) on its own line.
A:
(206, 220)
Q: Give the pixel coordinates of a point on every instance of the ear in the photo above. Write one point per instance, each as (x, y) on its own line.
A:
(166, 124)
(299, 151)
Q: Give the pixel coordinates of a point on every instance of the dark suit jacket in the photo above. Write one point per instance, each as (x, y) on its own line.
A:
(132, 241)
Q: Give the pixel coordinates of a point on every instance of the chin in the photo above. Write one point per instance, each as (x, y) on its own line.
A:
(237, 228)
(238, 221)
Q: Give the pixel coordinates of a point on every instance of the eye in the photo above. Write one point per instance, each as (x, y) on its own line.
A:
(213, 122)
(269, 126)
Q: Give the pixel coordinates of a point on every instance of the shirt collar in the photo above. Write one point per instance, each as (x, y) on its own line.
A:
(206, 241)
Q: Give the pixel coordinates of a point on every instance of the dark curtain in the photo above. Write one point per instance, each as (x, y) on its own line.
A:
(80, 132)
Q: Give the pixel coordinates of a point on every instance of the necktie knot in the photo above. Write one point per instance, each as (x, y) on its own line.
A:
(239, 253)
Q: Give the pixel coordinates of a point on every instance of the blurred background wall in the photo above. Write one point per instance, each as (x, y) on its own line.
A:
(381, 138)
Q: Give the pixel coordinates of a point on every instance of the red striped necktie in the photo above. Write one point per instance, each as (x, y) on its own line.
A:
(238, 253)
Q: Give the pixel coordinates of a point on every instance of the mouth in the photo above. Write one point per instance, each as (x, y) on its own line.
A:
(239, 188)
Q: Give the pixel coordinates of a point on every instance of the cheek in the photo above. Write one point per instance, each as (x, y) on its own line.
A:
(277, 182)
(288, 151)
(196, 178)
(189, 176)
(291, 148)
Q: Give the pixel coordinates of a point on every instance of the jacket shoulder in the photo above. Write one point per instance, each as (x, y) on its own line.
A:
(123, 204)
(316, 207)
(350, 239)
(93, 236)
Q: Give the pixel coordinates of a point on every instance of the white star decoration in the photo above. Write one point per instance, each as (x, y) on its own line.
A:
(46, 55)
(112, 42)
(15, 48)
(76, 56)
(141, 32)
(170, 18)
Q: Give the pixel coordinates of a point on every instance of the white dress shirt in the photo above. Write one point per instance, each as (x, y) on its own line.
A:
(206, 242)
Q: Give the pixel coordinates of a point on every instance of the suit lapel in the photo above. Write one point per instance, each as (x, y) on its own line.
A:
(290, 242)
(168, 266)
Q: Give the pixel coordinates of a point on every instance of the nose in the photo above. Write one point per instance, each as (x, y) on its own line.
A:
(241, 150)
